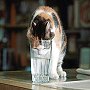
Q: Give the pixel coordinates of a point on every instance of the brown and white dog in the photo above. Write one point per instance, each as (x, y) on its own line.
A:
(45, 25)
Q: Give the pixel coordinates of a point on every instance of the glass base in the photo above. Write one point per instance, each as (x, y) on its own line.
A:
(40, 78)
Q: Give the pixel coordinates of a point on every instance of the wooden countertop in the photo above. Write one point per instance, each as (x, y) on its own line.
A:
(23, 79)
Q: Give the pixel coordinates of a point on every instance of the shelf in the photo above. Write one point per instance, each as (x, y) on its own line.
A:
(71, 56)
(15, 26)
(84, 43)
(1, 26)
(79, 28)
(72, 32)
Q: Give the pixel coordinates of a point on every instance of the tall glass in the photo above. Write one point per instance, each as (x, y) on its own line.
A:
(40, 60)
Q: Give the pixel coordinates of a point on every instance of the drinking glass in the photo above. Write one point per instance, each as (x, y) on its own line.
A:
(40, 60)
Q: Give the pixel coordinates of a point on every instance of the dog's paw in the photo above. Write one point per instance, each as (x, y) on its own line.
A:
(54, 76)
(62, 73)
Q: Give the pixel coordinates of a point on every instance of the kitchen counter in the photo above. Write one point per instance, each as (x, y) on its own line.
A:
(21, 80)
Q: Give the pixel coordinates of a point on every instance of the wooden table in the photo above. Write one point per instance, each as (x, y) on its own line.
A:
(21, 80)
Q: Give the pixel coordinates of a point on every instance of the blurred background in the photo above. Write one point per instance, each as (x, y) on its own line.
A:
(15, 19)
